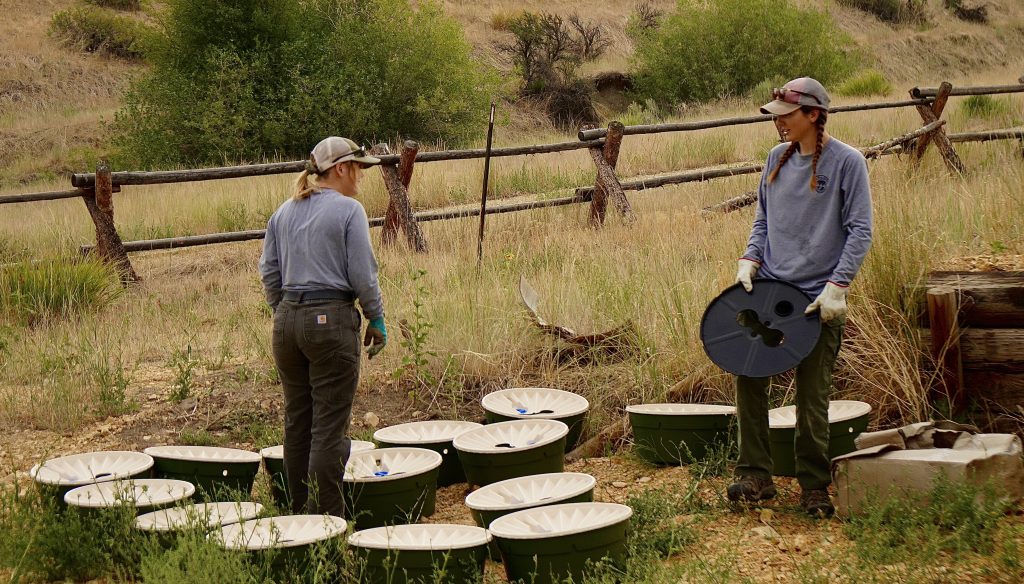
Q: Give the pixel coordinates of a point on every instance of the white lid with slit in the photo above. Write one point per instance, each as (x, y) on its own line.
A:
(529, 491)
(513, 435)
(278, 532)
(425, 432)
(558, 520)
(384, 464)
(838, 411)
(91, 467)
(136, 492)
(203, 454)
(420, 537)
(667, 409)
(535, 402)
(198, 515)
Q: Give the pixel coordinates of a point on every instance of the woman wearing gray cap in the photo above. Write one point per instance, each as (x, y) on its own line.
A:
(812, 228)
(317, 261)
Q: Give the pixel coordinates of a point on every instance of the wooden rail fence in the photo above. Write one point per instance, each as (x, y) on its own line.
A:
(603, 145)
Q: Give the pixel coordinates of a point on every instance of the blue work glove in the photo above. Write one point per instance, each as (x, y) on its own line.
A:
(376, 337)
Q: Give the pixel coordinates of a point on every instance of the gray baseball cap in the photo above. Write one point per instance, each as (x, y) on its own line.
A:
(332, 150)
(798, 92)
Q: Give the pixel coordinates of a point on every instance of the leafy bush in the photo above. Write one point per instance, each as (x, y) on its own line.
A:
(645, 18)
(895, 11)
(126, 5)
(723, 48)
(864, 84)
(969, 13)
(244, 80)
(95, 30)
(984, 106)
(762, 92)
(32, 292)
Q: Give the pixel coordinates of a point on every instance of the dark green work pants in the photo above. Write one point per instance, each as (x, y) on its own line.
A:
(316, 350)
(813, 386)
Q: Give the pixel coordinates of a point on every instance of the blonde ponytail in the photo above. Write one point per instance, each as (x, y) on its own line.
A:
(303, 188)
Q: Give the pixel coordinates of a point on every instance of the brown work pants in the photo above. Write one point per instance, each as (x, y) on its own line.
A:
(316, 350)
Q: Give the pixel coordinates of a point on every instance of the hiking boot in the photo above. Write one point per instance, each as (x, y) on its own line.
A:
(747, 488)
(817, 503)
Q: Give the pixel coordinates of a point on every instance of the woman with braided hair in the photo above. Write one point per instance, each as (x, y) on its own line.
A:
(813, 229)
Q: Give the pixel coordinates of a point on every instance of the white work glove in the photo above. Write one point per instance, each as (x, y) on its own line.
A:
(831, 302)
(745, 273)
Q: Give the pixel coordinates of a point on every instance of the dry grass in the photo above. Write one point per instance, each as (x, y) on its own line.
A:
(659, 274)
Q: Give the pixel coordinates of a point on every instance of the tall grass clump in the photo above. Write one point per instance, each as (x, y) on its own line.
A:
(125, 5)
(719, 48)
(34, 292)
(866, 83)
(247, 80)
(894, 11)
(95, 30)
(983, 106)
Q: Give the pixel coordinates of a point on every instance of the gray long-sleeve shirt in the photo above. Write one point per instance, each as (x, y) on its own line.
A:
(811, 238)
(321, 243)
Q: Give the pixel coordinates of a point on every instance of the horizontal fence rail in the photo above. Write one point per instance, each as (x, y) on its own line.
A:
(927, 92)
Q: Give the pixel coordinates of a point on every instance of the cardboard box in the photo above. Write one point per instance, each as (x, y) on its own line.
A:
(887, 471)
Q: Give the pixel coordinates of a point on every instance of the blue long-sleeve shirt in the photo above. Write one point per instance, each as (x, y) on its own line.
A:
(811, 238)
(321, 243)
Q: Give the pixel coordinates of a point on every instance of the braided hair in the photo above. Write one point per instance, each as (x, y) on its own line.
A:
(794, 145)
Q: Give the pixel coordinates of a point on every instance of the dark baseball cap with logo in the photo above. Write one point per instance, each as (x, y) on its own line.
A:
(795, 94)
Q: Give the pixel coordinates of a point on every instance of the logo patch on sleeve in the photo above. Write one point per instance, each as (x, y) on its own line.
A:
(321, 319)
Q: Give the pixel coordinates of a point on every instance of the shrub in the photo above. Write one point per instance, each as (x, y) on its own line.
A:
(645, 18)
(864, 84)
(246, 80)
(723, 48)
(32, 292)
(762, 92)
(894, 11)
(983, 106)
(970, 14)
(126, 5)
(95, 30)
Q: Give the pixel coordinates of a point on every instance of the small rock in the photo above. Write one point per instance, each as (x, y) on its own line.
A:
(371, 419)
(766, 532)
(147, 438)
(417, 414)
(800, 543)
(619, 485)
(643, 480)
(782, 545)
(766, 516)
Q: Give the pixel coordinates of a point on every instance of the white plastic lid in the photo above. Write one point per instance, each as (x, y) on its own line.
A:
(558, 520)
(530, 491)
(668, 409)
(136, 492)
(535, 402)
(207, 515)
(280, 532)
(91, 467)
(427, 432)
(277, 452)
(514, 435)
(420, 537)
(203, 454)
(385, 464)
(838, 411)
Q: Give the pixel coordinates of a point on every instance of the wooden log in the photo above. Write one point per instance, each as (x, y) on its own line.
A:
(988, 299)
(993, 350)
(108, 243)
(596, 133)
(931, 92)
(922, 132)
(607, 180)
(1004, 389)
(83, 180)
(47, 196)
(680, 178)
(399, 197)
(943, 306)
(746, 199)
(937, 106)
(942, 142)
(599, 202)
(392, 217)
(1007, 134)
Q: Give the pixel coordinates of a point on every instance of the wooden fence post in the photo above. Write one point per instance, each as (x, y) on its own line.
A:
(931, 114)
(398, 196)
(100, 203)
(392, 219)
(937, 107)
(607, 183)
(943, 311)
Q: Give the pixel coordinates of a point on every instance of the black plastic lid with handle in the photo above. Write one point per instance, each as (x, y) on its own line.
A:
(760, 333)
